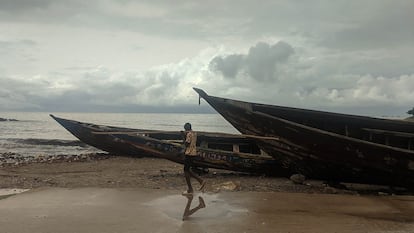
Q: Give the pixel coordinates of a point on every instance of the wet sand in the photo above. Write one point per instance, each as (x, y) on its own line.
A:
(149, 210)
(120, 194)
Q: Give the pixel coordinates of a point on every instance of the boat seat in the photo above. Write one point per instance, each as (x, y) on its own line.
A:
(388, 133)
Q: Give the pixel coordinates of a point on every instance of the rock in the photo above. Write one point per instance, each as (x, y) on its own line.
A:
(298, 178)
(10, 161)
(330, 190)
(226, 186)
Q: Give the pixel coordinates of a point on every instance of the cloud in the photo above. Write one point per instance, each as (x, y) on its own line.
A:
(161, 89)
(7, 46)
(366, 83)
(268, 73)
(229, 65)
(127, 55)
(23, 5)
(260, 63)
(370, 23)
(374, 26)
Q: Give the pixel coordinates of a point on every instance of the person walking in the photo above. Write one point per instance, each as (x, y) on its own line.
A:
(190, 151)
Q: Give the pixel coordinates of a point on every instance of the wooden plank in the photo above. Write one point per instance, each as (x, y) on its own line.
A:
(132, 132)
(207, 134)
(389, 132)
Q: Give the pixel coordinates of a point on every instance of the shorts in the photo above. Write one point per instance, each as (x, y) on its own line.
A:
(188, 162)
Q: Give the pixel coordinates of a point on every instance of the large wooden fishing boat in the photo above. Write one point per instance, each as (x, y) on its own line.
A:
(323, 145)
(214, 150)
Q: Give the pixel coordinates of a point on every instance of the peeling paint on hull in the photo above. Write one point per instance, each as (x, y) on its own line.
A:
(136, 142)
(325, 154)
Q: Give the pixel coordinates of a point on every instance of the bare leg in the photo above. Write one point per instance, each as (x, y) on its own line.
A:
(187, 175)
(187, 207)
(201, 181)
(188, 212)
(196, 177)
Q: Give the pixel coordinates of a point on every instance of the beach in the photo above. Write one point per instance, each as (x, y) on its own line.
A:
(104, 171)
(149, 210)
(108, 171)
(103, 193)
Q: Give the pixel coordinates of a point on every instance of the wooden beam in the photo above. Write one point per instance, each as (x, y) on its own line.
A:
(389, 132)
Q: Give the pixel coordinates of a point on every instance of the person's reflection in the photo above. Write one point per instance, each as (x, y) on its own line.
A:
(188, 211)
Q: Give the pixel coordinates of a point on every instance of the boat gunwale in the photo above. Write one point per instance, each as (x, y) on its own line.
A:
(334, 134)
(203, 94)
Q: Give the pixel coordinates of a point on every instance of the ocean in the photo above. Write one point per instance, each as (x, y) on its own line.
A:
(36, 133)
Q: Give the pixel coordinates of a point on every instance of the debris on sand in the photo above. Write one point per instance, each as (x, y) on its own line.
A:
(15, 159)
(226, 186)
(298, 178)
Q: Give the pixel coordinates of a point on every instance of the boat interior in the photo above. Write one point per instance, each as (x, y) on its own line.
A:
(395, 133)
(216, 141)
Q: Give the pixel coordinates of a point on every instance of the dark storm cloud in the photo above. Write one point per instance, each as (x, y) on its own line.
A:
(343, 24)
(108, 15)
(229, 65)
(261, 62)
(389, 24)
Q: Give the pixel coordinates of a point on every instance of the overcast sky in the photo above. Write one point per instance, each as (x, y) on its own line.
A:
(134, 56)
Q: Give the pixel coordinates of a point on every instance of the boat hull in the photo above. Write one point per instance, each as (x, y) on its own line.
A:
(207, 158)
(86, 132)
(317, 153)
(140, 142)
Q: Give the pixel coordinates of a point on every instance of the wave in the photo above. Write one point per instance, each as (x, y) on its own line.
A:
(6, 119)
(50, 142)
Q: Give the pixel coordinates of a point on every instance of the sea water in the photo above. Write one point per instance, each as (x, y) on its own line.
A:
(36, 133)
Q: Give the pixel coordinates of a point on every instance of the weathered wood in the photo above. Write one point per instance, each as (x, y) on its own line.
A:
(389, 132)
(314, 143)
(167, 145)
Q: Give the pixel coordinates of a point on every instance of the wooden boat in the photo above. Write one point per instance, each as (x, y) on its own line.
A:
(85, 133)
(214, 150)
(329, 146)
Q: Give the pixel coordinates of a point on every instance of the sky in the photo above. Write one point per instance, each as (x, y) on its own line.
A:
(348, 56)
